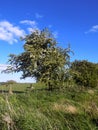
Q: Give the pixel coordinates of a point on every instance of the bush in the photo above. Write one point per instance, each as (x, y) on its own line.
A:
(84, 73)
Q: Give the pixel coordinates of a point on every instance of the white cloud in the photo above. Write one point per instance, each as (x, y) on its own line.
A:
(93, 29)
(3, 67)
(37, 15)
(29, 22)
(9, 32)
(32, 29)
(32, 25)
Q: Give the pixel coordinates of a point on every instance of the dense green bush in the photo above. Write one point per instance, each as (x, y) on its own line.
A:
(85, 73)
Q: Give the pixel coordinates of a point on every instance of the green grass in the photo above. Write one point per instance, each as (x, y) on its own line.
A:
(69, 109)
(15, 87)
(22, 87)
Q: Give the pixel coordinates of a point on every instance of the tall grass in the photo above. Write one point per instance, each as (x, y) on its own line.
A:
(70, 109)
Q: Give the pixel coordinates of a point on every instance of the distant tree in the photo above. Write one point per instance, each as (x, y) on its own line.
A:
(84, 73)
(9, 84)
(42, 59)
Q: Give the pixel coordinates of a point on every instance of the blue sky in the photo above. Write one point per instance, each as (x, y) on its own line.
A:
(71, 21)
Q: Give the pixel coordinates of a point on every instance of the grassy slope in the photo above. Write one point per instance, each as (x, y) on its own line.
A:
(71, 109)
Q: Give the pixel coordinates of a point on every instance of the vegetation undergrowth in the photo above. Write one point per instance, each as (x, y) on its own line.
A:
(68, 109)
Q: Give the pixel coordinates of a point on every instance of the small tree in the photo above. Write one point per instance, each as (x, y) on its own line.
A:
(42, 59)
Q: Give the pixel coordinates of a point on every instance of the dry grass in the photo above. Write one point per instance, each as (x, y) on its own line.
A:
(71, 109)
(91, 92)
(65, 108)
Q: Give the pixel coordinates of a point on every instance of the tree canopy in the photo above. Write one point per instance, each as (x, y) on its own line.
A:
(42, 59)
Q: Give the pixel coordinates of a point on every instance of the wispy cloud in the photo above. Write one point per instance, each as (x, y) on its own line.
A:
(37, 15)
(9, 32)
(3, 67)
(29, 22)
(32, 25)
(93, 29)
(50, 26)
(55, 34)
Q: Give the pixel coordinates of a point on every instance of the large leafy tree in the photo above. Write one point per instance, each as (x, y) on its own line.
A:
(42, 59)
(85, 73)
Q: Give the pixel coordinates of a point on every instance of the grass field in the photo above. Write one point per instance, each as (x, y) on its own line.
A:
(69, 109)
(21, 87)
